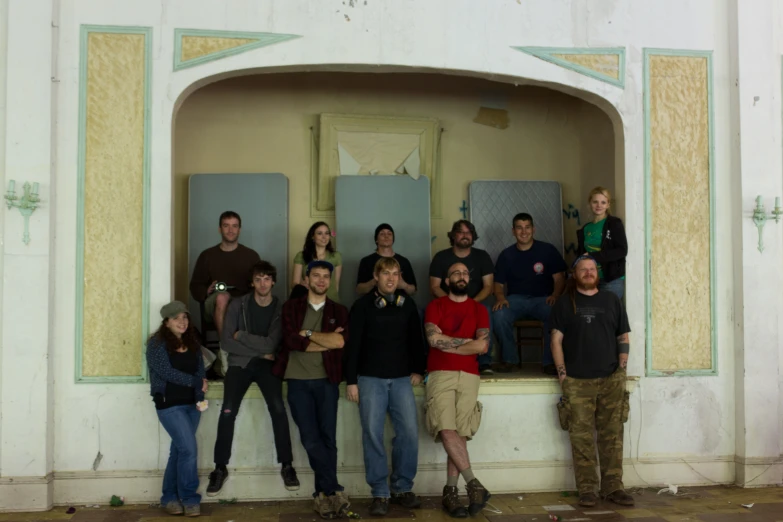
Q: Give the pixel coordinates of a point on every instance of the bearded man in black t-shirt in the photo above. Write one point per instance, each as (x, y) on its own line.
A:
(590, 349)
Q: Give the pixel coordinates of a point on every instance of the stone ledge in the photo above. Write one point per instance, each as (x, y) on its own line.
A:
(522, 385)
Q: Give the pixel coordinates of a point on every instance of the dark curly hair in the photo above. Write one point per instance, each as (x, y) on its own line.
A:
(308, 250)
(457, 226)
(189, 339)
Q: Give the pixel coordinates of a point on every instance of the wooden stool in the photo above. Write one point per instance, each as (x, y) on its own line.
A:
(529, 339)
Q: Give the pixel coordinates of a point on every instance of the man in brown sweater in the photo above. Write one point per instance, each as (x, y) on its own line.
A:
(229, 263)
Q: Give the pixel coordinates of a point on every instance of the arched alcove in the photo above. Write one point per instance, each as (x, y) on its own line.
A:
(249, 122)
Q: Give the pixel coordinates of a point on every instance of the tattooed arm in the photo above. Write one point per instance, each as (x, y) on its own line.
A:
(557, 354)
(461, 346)
(623, 347)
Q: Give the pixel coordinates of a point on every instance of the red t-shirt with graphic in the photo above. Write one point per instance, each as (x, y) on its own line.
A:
(455, 320)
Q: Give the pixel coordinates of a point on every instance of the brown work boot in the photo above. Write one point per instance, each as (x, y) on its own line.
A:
(478, 497)
(588, 499)
(620, 497)
(451, 503)
(340, 502)
(323, 506)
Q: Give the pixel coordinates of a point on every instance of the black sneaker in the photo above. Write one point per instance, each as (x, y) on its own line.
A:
(290, 480)
(379, 506)
(407, 500)
(549, 369)
(486, 369)
(217, 479)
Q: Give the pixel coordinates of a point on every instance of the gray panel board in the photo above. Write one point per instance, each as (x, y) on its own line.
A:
(493, 204)
(364, 202)
(261, 200)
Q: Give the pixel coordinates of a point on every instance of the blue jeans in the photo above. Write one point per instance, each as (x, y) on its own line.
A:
(313, 404)
(617, 287)
(376, 398)
(180, 481)
(520, 306)
(485, 359)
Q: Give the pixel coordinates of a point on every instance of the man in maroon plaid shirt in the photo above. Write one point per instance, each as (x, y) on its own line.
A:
(315, 329)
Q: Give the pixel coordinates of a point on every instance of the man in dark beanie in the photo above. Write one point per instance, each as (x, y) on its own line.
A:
(384, 239)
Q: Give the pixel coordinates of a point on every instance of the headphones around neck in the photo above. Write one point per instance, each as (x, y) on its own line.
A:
(382, 301)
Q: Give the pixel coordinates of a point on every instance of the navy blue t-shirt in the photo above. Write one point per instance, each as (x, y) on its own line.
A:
(529, 272)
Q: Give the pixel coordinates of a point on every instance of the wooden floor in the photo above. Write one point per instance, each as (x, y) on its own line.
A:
(708, 504)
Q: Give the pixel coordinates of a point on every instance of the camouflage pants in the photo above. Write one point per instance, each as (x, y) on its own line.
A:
(597, 405)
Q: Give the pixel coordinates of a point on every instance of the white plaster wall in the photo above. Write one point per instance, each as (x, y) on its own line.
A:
(669, 423)
(3, 66)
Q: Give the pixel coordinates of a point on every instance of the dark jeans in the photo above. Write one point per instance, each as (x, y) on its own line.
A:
(180, 480)
(235, 385)
(313, 404)
(520, 306)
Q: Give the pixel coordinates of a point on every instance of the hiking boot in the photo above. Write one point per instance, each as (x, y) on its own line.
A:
(173, 508)
(407, 500)
(340, 502)
(217, 479)
(192, 511)
(379, 506)
(588, 499)
(620, 497)
(451, 503)
(290, 480)
(478, 497)
(324, 507)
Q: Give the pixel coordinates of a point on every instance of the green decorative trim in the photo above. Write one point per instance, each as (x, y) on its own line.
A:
(262, 40)
(713, 370)
(548, 54)
(145, 268)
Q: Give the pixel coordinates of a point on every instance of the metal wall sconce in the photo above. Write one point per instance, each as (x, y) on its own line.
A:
(760, 218)
(26, 205)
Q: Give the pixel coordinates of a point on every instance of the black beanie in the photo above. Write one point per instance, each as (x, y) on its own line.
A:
(382, 226)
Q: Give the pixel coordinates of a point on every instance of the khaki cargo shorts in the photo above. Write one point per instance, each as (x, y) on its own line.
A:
(452, 403)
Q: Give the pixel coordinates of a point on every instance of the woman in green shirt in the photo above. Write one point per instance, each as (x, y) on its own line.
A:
(318, 245)
(604, 239)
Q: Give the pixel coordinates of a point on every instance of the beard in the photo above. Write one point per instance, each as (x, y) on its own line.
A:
(459, 288)
(581, 284)
(465, 243)
(314, 289)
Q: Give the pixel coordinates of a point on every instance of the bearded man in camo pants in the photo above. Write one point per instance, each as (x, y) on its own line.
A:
(590, 349)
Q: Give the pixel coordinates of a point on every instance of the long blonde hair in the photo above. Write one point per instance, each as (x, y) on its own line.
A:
(604, 192)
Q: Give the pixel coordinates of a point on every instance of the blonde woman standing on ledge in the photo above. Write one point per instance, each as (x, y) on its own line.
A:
(604, 239)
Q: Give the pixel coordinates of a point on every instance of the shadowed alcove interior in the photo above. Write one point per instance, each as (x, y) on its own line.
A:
(491, 131)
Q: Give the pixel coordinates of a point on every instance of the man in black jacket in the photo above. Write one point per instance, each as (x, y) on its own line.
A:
(385, 357)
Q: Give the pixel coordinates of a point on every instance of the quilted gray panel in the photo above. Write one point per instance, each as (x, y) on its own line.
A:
(493, 205)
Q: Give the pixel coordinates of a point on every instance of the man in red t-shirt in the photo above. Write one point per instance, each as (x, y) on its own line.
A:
(457, 329)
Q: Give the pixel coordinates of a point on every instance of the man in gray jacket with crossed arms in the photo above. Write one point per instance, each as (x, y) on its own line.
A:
(252, 335)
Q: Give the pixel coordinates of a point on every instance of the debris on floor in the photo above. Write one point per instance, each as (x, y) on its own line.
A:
(671, 488)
